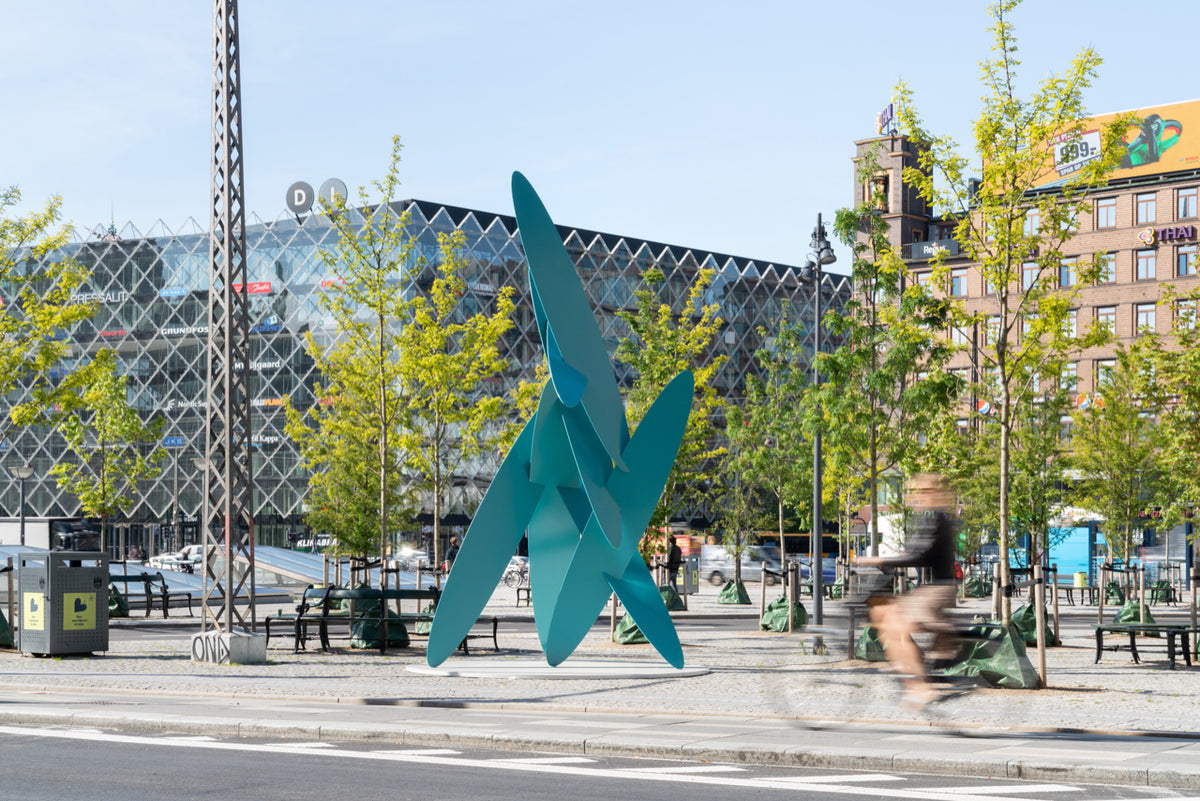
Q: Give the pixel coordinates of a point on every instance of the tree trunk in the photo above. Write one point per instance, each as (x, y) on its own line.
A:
(1005, 576)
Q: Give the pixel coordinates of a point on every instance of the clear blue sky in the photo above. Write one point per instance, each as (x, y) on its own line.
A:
(717, 126)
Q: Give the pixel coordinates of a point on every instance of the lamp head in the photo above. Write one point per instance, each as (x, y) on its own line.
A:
(22, 472)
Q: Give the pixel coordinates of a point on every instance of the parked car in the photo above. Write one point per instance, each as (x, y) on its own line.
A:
(716, 564)
(828, 568)
(184, 561)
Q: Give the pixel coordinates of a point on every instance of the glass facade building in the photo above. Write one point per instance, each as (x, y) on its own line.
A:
(151, 295)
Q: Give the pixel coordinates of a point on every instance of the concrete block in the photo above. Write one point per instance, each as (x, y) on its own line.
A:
(229, 648)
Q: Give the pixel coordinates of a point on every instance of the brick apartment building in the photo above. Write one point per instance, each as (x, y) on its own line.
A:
(1144, 224)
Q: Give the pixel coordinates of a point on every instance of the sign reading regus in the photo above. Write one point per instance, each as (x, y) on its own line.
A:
(1161, 139)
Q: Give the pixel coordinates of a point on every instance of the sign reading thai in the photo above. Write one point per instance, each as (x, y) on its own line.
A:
(1170, 233)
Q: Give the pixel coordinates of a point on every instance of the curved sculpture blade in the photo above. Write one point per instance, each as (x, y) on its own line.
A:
(489, 543)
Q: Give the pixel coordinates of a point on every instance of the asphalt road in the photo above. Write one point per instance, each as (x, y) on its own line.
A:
(62, 764)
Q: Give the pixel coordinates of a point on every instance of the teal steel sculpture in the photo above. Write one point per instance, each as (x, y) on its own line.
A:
(575, 480)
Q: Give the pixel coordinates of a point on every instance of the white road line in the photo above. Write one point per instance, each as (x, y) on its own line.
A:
(425, 758)
(1010, 789)
(686, 769)
(318, 744)
(566, 760)
(419, 752)
(838, 779)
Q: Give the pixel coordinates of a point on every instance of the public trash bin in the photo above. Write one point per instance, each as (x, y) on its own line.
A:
(64, 602)
(691, 574)
(1081, 579)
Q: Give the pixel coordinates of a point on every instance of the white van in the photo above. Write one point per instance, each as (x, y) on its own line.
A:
(716, 564)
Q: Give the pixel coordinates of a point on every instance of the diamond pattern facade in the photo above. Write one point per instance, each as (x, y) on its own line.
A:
(152, 304)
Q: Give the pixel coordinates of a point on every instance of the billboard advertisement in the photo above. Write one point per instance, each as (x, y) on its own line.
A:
(1160, 139)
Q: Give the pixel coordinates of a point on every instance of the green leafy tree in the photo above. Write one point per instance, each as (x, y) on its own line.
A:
(1119, 447)
(114, 447)
(1015, 236)
(355, 429)
(447, 361)
(1174, 362)
(338, 443)
(36, 287)
(662, 343)
(769, 436)
(893, 334)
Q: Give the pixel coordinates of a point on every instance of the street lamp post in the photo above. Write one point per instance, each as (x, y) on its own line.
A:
(22, 473)
(822, 254)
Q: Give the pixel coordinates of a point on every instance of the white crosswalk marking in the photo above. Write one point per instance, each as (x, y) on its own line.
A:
(839, 779)
(687, 769)
(450, 758)
(565, 760)
(1009, 789)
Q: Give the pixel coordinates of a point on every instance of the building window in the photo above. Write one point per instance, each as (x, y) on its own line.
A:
(1104, 372)
(959, 336)
(1106, 212)
(958, 282)
(1070, 375)
(1145, 264)
(993, 330)
(879, 192)
(1029, 271)
(1108, 267)
(1070, 221)
(922, 279)
(1068, 272)
(1066, 429)
(1106, 317)
(1144, 316)
(1187, 260)
(1187, 203)
(1144, 209)
(1185, 314)
(1033, 221)
(1071, 323)
(963, 426)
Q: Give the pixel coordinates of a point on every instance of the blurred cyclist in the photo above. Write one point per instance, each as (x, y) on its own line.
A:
(931, 545)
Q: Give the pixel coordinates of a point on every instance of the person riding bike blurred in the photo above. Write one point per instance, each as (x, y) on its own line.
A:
(931, 545)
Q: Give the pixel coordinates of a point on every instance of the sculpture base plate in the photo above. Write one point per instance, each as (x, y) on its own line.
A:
(570, 670)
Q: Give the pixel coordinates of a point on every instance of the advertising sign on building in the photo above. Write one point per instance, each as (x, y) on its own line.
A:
(1159, 140)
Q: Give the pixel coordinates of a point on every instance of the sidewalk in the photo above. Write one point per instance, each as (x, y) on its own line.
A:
(766, 698)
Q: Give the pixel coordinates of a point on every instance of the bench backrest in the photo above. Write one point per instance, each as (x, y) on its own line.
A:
(327, 596)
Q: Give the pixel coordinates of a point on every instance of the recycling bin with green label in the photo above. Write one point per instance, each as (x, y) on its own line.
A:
(63, 602)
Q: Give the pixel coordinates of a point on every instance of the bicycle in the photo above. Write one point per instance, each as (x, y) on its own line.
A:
(517, 572)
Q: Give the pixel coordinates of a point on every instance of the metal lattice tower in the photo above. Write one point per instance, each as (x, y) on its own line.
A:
(228, 484)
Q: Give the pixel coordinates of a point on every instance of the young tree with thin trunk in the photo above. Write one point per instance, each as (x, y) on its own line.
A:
(354, 425)
(768, 435)
(662, 342)
(1119, 446)
(446, 362)
(1016, 236)
(887, 384)
(113, 446)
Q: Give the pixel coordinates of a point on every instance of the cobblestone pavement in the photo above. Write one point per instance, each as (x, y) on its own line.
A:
(752, 673)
